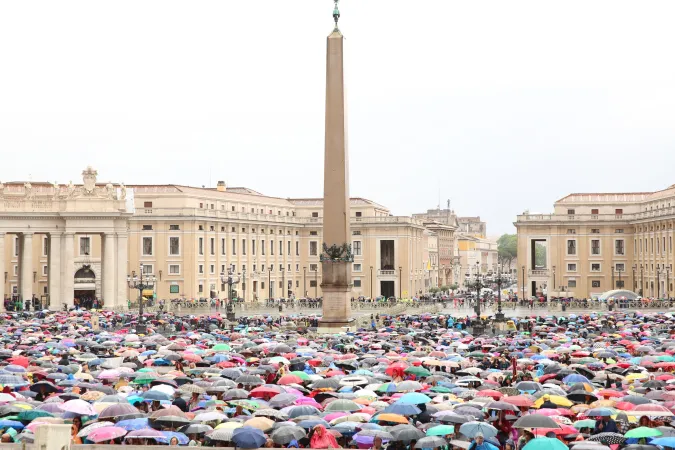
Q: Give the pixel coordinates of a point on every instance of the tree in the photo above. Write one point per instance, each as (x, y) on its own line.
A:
(507, 249)
(454, 287)
(434, 290)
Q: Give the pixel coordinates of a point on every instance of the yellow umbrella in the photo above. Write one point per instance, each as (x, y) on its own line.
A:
(604, 403)
(557, 399)
(636, 376)
(261, 423)
(579, 408)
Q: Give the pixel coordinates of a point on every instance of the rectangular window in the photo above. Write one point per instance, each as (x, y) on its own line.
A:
(595, 247)
(570, 212)
(147, 204)
(212, 269)
(357, 283)
(620, 267)
(281, 284)
(243, 246)
(620, 284)
(201, 288)
(45, 270)
(289, 249)
(253, 247)
(281, 267)
(222, 268)
(174, 289)
(619, 230)
(234, 246)
(271, 247)
(595, 283)
(262, 268)
(618, 212)
(174, 269)
(595, 267)
(313, 233)
(571, 267)
(147, 227)
(16, 270)
(357, 248)
(147, 269)
(357, 267)
(297, 267)
(595, 230)
(223, 246)
(174, 246)
(297, 283)
(281, 248)
(594, 211)
(200, 246)
(16, 246)
(313, 248)
(619, 247)
(85, 246)
(147, 246)
(571, 283)
(312, 283)
(571, 247)
(297, 248)
(315, 214)
(313, 267)
(201, 268)
(359, 213)
(45, 246)
(571, 231)
(174, 227)
(212, 246)
(262, 246)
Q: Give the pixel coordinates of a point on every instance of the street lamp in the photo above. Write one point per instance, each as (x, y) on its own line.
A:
(478, 327)
(243, 284)
(499, 317)
(141, 283)
(619, 270)
(613, 285)
(229, 279)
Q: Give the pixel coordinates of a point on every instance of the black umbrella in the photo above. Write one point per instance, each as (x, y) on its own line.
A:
(44, 386)
(285, 435)
(608, 438)
(535, 421)
(406, 433)
(172, 421)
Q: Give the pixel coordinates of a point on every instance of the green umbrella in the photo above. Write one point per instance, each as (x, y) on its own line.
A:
(221, 348)
(441, 430)
(586, 423)
(643, 432)
(302, 375)
(441, 389)
(33, 414)
(477, 354)
(544, 443)
(418, 371)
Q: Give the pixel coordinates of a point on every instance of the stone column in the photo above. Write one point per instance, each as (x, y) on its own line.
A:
(336, 280)
(54, 268)
(109, 269)
(2, 271)
(121, 275)
(26, 266)
(67, 269)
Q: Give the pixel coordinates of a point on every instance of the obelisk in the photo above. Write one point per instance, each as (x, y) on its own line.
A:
(336, 256)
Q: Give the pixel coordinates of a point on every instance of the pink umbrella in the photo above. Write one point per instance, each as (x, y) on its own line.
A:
(145, 433)
(308, 401)
(335, 415)
(110, 374)
(106, 434)
(78, 406)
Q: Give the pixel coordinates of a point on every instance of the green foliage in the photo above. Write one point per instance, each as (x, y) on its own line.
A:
(539, 255)
(434, 290)
(507, 249)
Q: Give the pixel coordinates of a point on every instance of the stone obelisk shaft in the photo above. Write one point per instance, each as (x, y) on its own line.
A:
(336, 277)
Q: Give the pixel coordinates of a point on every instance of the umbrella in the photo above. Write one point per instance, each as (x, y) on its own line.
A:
(118, 410)
(431, 442)
(470, 429)
(84, 432)
(285, 435)
(544, 443)
(643, 432)
(106, 434)
(78, 407)
(413, 398)
(441, 430)
(133, 424)
(407, 433)
(535, 421)
(248, 437)
(608, 438)
(145, 433)
(342, 405)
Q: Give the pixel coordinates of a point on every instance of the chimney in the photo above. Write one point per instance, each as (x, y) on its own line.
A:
(221, 186)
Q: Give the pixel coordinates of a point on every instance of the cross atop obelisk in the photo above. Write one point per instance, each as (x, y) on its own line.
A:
(336, 257)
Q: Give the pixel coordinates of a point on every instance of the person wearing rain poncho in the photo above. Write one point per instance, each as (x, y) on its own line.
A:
(321, 438)
(479, 443)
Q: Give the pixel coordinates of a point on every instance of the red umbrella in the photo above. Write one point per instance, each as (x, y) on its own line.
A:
(290, 379)
(191, 357)
(563, 430)
(518, 400)
(625, 406)
(19, 361)
(609, 393)
(264, 391)
(490, 393)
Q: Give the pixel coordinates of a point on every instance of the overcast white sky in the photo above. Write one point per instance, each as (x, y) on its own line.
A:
(502, 105)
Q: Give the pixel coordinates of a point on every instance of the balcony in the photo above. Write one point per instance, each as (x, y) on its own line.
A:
(538, 273)
(386, 273)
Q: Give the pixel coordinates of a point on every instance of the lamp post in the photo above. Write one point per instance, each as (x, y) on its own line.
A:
(141, 283)
(400, 282)
(229, 279)
(613, 285)
(477, 328)
(243, 284)
(304, 281)
(620, 284)
(634, 281)
(553, 277)
(499, 317)
(371, 283)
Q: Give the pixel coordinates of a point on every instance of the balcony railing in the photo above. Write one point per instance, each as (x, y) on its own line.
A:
(661, 212)
(386, 273)
(538, 272)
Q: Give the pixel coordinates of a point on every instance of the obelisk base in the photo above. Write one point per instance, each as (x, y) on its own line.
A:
(337, 303)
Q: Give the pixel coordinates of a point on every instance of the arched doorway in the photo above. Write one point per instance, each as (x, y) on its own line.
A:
(85, 286)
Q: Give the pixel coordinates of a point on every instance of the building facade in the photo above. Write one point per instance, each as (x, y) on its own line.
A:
(599, 242)
(190, 239)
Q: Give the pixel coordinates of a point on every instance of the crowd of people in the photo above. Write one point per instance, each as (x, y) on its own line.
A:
(408, 382)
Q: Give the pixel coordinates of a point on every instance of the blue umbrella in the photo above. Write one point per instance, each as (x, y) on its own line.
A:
(413, 398)
(133, 424)
(402, 409)
(664, 441)
(11, 424)
(307, 424)
(470, 429)
(168, 435)
(599, 412)
(156, 395)
(248, 437)
(575, 378)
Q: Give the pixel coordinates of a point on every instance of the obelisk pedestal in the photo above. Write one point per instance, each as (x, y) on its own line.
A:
(336, 256)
